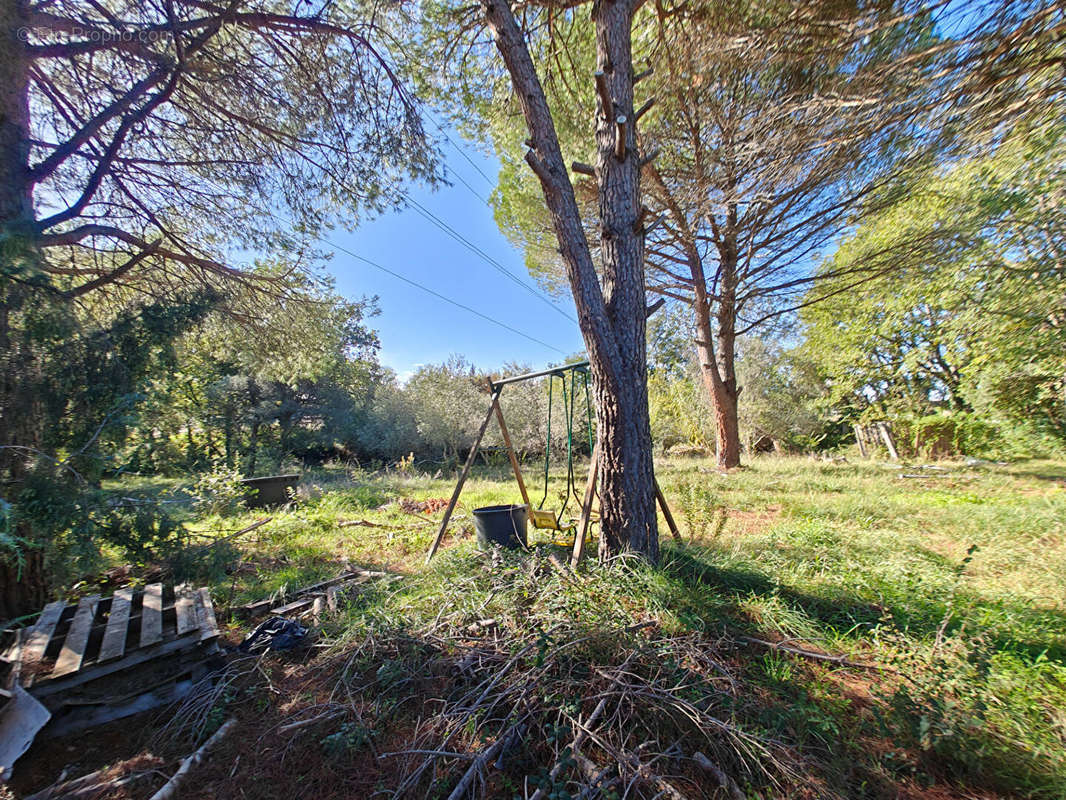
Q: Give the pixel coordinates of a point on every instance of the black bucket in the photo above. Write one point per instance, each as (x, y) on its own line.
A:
(502, 525)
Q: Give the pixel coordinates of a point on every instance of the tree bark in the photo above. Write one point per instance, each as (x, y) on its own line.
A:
(715, 344)
(726, 391)
(16, 198)
(23, 587)
(716, 351)
(611, 316)
(722, 391)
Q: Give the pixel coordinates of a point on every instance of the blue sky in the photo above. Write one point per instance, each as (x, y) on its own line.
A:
(417, 328)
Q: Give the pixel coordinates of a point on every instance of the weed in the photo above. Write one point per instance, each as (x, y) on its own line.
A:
(347, 739)
(219, 492)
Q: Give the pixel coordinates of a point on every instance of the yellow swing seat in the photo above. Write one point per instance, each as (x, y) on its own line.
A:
(544, 520)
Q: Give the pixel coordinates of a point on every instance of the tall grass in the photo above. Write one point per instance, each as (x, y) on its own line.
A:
(943, 594)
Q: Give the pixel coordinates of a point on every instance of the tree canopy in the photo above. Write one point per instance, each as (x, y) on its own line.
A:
(973, 318)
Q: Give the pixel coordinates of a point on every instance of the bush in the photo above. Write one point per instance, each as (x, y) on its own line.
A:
(219, 491)
(971, 434)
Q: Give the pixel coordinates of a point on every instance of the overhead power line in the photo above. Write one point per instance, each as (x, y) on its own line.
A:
(469, 245)
(424, 288)
(463, 153)
(426, 213)
(440, 296)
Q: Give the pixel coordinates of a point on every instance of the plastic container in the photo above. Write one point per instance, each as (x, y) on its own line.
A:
(271, 490)
(502, 525)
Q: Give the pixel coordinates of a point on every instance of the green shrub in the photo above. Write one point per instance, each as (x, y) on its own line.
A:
(219, 491)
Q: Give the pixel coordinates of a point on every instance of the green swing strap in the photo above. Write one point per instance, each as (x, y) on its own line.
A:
(568, 414)
(569, 409)
(548, 443)
(588, 411)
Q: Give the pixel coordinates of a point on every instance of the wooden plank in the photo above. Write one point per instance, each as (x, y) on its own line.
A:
(37, 638)
(666, 511)
(886, 436)
(291, 608)
(152, 614)
(181, 644)
(73, 652)
(262, 606)
(511, 455)
(860, 440)
(14, 657)
(206, 611)
(185, 609)
(118, 621)
(462, 475)
(586, 508)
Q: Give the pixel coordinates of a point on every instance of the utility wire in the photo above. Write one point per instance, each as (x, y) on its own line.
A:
(448, 229)
(425, 289)
(426, 213)
(440, 296)
(462, 152)
(471, 189)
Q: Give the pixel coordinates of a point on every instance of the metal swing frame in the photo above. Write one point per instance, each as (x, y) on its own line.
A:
(549, 519)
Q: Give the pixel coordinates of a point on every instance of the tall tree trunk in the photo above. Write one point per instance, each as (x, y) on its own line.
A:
(715, 345)
(727, 393)
(612, 316)
(253, 448)
(622, 404)
(716, 350)
(22, 577)
(227, 434)
(722, 391)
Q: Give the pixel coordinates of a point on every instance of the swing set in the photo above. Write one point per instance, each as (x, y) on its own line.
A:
(545, 519)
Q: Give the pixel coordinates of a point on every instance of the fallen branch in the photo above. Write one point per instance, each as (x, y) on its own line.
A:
(303, 723)
(584, 727)
(724, 781)
(365, 523)
(598, 784)
(579, 740)
(257, 524)
(92, 785)
(478, 766)
(170, 788)
(814, 655)
(438, 753)
(353, 575)
(566, 573)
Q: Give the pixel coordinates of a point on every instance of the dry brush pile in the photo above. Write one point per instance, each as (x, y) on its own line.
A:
(511, 676)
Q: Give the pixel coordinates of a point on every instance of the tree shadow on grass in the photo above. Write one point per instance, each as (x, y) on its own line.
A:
(931, 725)
(841, 608)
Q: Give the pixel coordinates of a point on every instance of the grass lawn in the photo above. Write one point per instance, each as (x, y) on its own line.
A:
(823, 630)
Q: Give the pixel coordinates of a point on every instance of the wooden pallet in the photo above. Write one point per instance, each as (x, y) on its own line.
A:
(73, 644)
(102, 659)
